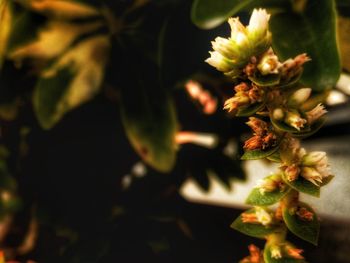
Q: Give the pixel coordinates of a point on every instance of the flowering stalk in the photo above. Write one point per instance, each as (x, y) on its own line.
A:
(268, 91)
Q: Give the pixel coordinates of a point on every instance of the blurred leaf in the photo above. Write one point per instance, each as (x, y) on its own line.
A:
(67, 9)
(251, 229)
(344, 41)
(147, 111)
(307, 230)
(150, 124)
(303, 185)
(208, 14)
(53, 39)
(5, 22)
(24, 29)
(309, 26)
(74, 79)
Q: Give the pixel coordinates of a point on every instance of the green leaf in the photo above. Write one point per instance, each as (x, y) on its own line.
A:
(208, 14)
(306, 230)
(254, 230)
(73, 80)
(151, 125)
(309, 26)
(147, 111)
(260, 154)
(5, 29)
(250, 110)
(265, 81)
(269, 259)
(275, 157)
(303, 185)
(268, 198)
(281, 125)
(313, 129)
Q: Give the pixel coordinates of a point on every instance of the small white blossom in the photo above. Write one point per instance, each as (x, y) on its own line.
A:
(263, 216)
(276, 251)
(269, 63)
(294, 120)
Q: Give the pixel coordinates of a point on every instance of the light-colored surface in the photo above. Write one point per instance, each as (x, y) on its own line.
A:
(335, 197)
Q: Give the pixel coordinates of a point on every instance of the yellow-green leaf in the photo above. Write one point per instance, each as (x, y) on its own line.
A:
(52, 39)
(74, 79)
(67, 9)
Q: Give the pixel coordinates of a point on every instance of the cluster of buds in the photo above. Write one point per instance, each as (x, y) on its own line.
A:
(246, 94)
(263, 136)
(232, 54)
(271, 96)
(312, 166)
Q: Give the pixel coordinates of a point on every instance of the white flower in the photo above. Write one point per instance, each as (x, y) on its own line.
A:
(314, 114)
(299, 96)
(263, 216)
(232, 54)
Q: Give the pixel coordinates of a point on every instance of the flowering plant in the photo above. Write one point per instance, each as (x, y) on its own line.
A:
(268, 91)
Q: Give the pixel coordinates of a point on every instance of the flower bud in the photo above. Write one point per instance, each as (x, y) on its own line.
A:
(263, 216)
(269, 63)
(278, 114)
(294, 120)
(258, 33)
(299, 97)
(276, 251)
(314, 158)
(292, 172)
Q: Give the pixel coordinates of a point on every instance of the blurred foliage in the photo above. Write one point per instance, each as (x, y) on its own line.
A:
(89, 87)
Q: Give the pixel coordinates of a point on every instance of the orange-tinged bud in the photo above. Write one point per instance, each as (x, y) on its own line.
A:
(304, 214)
(256, 142)
(292, 172)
